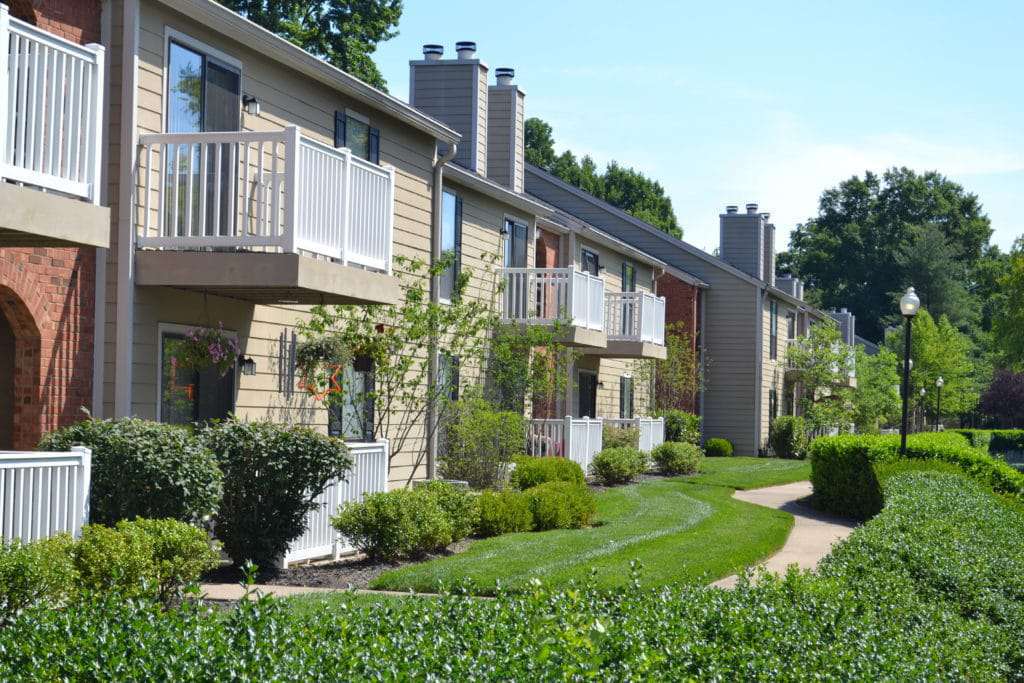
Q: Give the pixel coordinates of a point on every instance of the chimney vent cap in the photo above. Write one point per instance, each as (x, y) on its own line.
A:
(466, 49)
(752, 207)
(504, 75)
(433, 51)
(732, 208)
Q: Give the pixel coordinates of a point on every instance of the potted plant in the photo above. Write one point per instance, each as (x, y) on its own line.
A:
(320, 362)
(206, 347)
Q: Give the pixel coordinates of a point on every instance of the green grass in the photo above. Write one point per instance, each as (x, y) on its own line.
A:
(751, 473)
(680, 529)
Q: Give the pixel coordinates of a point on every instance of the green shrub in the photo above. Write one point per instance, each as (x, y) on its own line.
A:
(531, 471)
(619, 465)
(787, 437)
(272, 474)
(143, 469)
(41, 572)
(673, 457)
(1006, 441)
(845, 482)
(504, 512)
(680, 426)
(480, 442)
(396, 524)
(620, 437)
(718, 448)
(458, 504)
(561, 505)
(978, 438)
(152, 558)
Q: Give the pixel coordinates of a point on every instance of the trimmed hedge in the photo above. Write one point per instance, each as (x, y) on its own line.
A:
(845, 482)
(620, 465)
(674, 457)
(978, 438)
(561, 505)
(143, 469)
(718, 448)
(1006, 440)
(503, 512)
(531, 471)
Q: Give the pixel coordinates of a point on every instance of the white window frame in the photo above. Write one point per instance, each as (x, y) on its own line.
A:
(178, 328)
(184, 39)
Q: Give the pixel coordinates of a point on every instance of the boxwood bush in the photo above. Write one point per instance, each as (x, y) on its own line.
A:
(396, 524)
(503, 512)
(272, 474)
(1006, 441)
(673, 457)
(531, 471)
(845, 481)
(620, 437)
(561, 505)
(787, 437)
(456, 502)
(480, 442)
(143, 469)
(620, 465)
(718, 448)
(42, 572)
(680, 426)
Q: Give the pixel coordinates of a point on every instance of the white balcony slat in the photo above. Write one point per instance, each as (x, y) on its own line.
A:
(635, 316)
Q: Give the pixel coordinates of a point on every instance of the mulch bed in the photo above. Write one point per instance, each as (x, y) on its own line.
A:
(351, 572)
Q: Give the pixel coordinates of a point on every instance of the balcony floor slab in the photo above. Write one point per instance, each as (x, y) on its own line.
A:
(577, 337)
(33, 218)
(265, 278)
(618, 348)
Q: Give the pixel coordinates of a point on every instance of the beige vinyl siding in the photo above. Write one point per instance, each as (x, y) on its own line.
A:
(266, 332)
(731, 309)
(773, 371)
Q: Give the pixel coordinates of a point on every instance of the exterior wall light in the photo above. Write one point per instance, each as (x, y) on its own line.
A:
(251, 104)
(247, 365)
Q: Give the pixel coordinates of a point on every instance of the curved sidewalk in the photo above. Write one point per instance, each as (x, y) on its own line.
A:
(813, 532)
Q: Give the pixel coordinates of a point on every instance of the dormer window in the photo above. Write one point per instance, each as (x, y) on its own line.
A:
(355, 132)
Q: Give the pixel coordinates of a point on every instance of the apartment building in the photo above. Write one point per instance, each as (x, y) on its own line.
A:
(54, 223)
(746, 317)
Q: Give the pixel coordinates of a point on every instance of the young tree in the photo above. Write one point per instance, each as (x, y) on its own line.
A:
(344, 33)
(823, 365)
(396, 339)
(675, 380)
(527, 362)
(876, 400)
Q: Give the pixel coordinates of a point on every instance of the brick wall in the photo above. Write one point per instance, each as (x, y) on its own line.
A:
(47, 295)
(75, 20)
(682, 308)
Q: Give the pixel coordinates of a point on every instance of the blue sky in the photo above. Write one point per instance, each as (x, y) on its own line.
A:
(732, 102)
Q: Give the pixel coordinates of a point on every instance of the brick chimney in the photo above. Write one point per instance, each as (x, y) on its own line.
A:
(505, 131)
(455, 91)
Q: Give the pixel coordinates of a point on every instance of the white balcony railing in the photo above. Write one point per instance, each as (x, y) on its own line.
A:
(635, 316)
(51, 110)
(369, 474)
(576, 438)
(652, 430)
(276, 191)
(546, 295)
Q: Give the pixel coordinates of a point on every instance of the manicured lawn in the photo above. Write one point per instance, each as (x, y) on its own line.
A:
(679, 529)
(751, 473)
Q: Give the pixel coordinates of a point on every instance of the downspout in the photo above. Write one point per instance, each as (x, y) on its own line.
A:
(702, 305)
(434, 361)
(657, 272)
(758, 367)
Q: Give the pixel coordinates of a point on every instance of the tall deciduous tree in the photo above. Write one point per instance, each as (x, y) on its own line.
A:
(342, 32)
(876, 400)
(874, 236)
(823, 364)
(1004, 398)
(620, 186)
(1008, 322)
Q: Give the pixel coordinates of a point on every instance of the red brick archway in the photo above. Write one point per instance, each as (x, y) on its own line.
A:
(24, 383)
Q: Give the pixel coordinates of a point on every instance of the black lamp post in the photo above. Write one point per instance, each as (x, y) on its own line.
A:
(909, 303)
(938, 402)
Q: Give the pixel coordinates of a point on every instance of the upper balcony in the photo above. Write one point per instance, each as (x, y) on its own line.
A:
(51, 115)
(267, 217)
(635, 325)
(566, 297)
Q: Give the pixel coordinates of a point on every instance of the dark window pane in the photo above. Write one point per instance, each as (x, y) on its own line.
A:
(515, 244)
(589, 262)
(357, 137)
(351, 415)
(188, 395)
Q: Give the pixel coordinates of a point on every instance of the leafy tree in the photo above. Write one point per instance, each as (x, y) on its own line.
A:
(396, 339)
(676, 379)
(1004, 398)
(345, 33)
(1008, 322)
(823, 364)
(527, 362)
(938, 349)
(876, 400)
(861, 247)
(625, 188)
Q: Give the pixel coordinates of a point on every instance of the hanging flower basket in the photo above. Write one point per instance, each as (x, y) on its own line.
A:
(320, 363)
(205, 347)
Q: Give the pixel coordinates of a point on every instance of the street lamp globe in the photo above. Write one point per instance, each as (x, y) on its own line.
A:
(940, 382)
(922, 392)
(909, 303)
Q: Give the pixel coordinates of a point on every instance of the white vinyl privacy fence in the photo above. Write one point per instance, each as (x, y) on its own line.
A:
(369, 474)
(652, 430)
(576, 438)
(51, 105)
(43, 494)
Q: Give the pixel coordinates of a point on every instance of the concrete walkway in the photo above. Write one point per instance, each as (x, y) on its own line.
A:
(812, 535)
